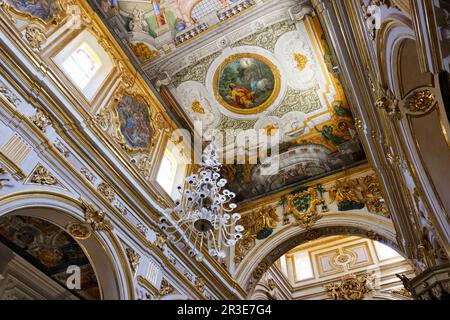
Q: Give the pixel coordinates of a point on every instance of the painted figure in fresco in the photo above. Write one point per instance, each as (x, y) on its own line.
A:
(328, 134)
(241, 97)
(42, 9)
(246, 82)
(159, 13)
(134, 122)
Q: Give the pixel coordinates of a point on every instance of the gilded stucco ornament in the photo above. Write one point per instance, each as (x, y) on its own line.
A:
(372, 195)
(96, 218)
(61, 147)
(420, 101)
(258, 225)
(103, 119)
(165, 288)
(9, 95)
(351, 287)
(144, 165)
(42, 176)
(389, 103)
(35, 36)
(41, 120)
(88, 175)
(160, 241)
(134, 258)
(346, 193)
(107, 191)
(200, 285)
(79, 231)
(3, 181)
(304, 206)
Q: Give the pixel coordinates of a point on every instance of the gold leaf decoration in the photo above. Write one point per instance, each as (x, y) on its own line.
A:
(42, 176)
(166, 288)
(420, 101)
(106, 191)
(301, 60)
(78, 231)
(41, 120)
(197, 107)
(304, 207)
(95, 218)
(134, 258)
(350, 287)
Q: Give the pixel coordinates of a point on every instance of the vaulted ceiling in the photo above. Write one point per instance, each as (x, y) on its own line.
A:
(245, 65)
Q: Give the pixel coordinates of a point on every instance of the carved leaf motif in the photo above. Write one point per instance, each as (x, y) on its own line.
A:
(43, 177)
(95, 218)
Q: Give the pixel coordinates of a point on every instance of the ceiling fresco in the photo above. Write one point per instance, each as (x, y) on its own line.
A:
(50, 249)
(157, 27)
(279, 79)
(268, 69)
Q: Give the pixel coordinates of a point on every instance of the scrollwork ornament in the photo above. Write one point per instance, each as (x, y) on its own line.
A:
(258, 225)
(103, 119)
(389, 103)
(304, 206)
(35, 36)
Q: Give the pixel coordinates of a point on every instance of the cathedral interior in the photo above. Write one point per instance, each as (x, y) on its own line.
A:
(224, 150)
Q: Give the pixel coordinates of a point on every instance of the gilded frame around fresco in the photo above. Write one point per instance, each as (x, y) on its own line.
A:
(266, 104)
(56, 18)
(115, 115)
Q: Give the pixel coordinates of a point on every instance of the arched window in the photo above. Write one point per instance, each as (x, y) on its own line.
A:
(205, 7)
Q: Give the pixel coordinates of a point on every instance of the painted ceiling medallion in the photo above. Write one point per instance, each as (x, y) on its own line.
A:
(246, 83)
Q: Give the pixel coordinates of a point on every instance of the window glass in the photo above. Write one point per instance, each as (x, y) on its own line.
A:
(384, 252)
(303, 266)
(82, 65)
(167, 172)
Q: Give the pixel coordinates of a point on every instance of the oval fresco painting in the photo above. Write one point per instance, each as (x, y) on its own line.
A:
(134, 122)
(246, 83)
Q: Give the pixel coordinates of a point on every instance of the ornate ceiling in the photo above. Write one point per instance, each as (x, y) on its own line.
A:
(266, 68)
(50, 249)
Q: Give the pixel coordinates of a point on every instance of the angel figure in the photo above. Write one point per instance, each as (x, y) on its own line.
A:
(345, 193)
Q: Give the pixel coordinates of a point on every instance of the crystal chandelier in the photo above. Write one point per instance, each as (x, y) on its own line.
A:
(203, 218)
